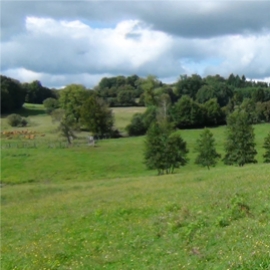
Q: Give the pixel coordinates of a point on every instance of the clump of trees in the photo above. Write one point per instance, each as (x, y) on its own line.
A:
(12, 95)
(36, 93)
(165, 150)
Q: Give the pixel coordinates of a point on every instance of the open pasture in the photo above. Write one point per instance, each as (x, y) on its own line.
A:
(217, 219)
(84, 207)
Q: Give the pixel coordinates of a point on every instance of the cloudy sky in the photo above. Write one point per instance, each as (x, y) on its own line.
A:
(62, 42)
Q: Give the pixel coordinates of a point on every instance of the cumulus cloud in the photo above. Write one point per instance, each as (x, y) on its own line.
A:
(58, 42)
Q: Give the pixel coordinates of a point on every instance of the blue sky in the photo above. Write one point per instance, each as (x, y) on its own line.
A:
(63, 42)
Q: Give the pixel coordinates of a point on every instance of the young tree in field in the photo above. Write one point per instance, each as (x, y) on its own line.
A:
(240, 141)
(65, 129)
(96, 116)
(66, 124)
(164, 150)
(176, 152)
(266, 146)
(207, 154)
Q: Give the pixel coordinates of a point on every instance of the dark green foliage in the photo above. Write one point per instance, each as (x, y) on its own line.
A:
(120, 91)
(240, 141)
(249, 106)
(207, 154)
(176, 152)
(186, 113)
(263, 111)
(137, 126)
(141, 122)
(150, 116)
(164, 150)
(205, 93)
(12, 95)
(213, 113)
(219, 90)
(15, 120)
(126, 97)
(50, 104)
(36, 93)
(266, 146)
(96, 116)
(188, 85)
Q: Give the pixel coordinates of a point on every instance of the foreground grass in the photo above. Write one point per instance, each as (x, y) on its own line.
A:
(216, 219)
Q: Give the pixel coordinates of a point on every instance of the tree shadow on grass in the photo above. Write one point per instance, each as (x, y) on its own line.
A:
(29, 111)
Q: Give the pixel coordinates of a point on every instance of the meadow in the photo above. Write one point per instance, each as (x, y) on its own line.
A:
(98, 207)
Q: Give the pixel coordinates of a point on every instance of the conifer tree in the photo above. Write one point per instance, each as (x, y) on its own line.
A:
(165, 150)
(207, 154)
(240, 141)
(266, 145)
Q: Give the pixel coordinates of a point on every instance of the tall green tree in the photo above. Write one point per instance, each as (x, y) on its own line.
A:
(96, 116)
(187, 113)
(164, 150)
(266, 146)
(205, 147)
(240, 140)
(72, 97)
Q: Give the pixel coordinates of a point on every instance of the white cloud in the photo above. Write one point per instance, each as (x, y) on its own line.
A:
(61, 47)
(58, 42)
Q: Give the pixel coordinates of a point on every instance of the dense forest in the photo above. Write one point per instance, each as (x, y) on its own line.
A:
(191, 102)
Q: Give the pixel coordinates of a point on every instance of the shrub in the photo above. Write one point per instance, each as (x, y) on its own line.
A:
(50, 104)
(136, 127)
(15, 120)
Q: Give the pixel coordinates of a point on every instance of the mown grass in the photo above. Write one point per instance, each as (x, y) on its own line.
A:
(99, 208)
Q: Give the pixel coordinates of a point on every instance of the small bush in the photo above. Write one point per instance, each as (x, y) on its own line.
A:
(15, 120)
(50, 104)
(137, 126)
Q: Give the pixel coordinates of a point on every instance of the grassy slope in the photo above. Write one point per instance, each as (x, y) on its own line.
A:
(168, 222)
(65, 221)
(111, 159)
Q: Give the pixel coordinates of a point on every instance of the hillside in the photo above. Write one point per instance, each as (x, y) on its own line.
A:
(99, 208)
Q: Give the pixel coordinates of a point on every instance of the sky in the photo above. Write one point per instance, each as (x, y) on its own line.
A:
(63, 42)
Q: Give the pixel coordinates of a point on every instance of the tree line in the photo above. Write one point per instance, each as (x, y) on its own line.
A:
(165, 149)
(135, 91)
(14, 94)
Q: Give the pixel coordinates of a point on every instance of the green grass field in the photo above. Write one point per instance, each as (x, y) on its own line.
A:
(99, 208)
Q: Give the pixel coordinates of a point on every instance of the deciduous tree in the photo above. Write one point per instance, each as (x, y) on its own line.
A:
(96, 116)
(71, 100)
